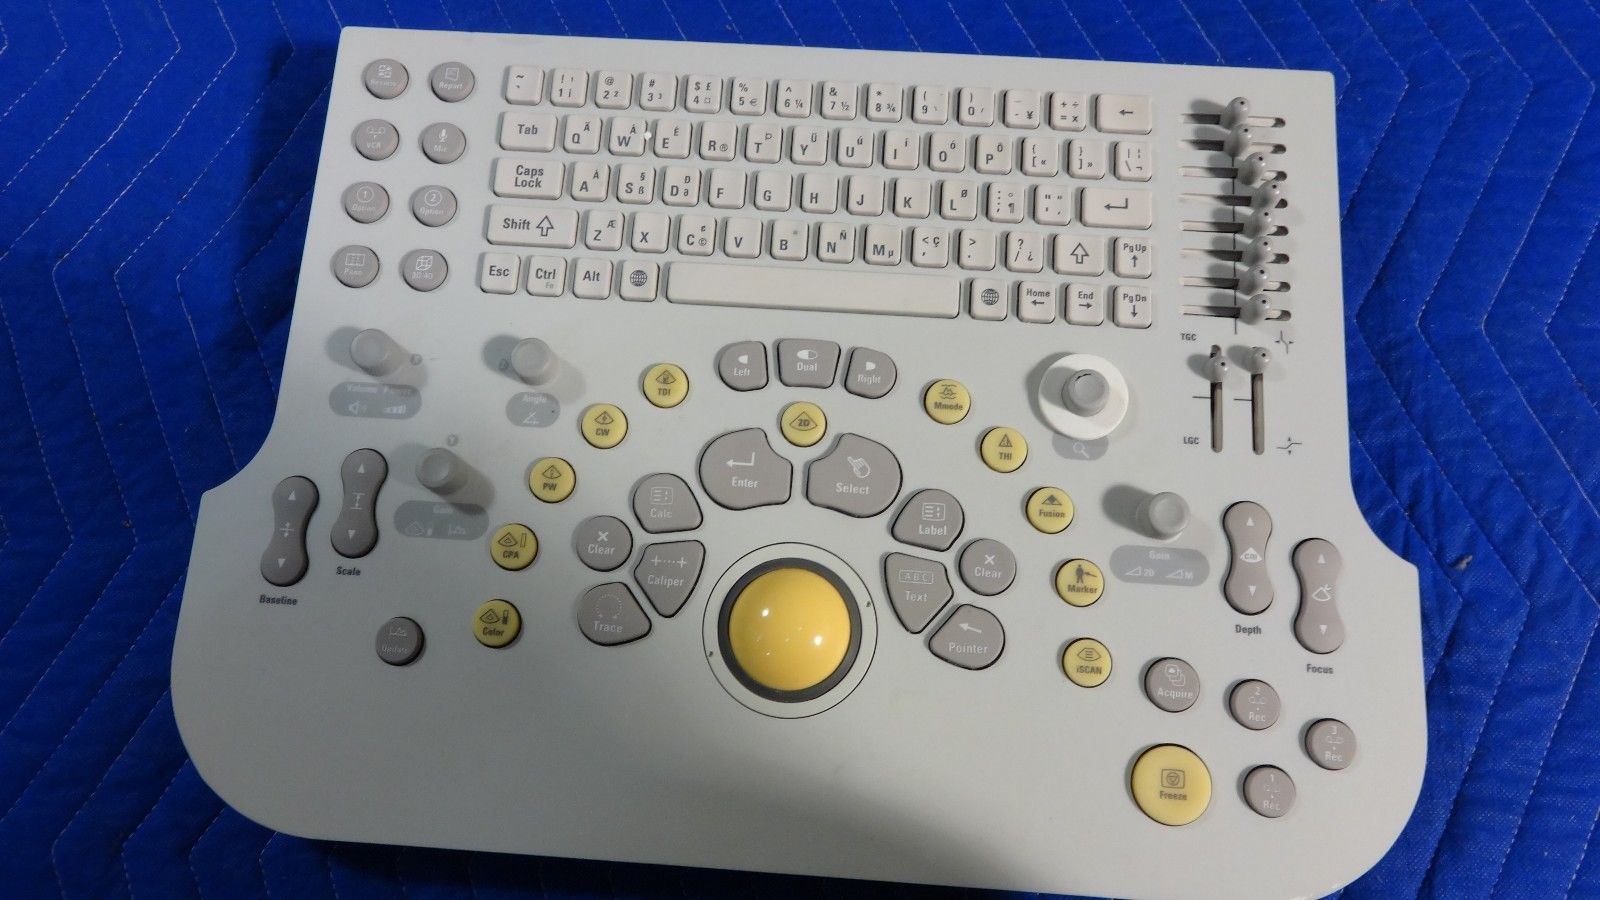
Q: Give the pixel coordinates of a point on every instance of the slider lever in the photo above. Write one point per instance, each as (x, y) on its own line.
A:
(1259, 359)
(1216, 371)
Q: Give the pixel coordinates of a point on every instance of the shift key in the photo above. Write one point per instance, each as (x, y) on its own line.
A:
(528, 226)
(1115, 208)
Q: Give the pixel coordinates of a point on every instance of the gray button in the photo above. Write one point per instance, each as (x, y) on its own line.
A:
(399, 641)
(807, 363)
(1254, 704)
(740, 470)
(440, 470)
(988, 566)
(931, 519)
(451, 81)
(366, 201)
(608, 615)
(1164, 515)
(375, 353)
(442, 142)
(1317, 624)
(441, 521)
(859, 477)
(367, 400)
(354, 265)
(971, 638)
(1248, 587)
(743, 366)
(603, 542)
(386, 79)
(293, 500)
(375, 139)
(667, 574)
(433, 205)
(424, 270)
(664, 503)
(1269, 790)
(532, 410)
(355, 532)
(1331, 744)
(1177, 566)
(1172, 684)
(871, 374)
(918, 589)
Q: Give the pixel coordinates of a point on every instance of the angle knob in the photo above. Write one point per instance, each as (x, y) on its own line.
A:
(533, 361)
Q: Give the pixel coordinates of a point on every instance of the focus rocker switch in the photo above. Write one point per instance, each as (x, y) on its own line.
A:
(1318, 625)
(293, 500)
(355, 532)
(1164, 515)
(441, 471)
(533, 361)
(375, 353)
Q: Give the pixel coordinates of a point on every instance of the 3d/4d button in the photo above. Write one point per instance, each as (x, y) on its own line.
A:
(355, 532)
(608, 615)
(1269, 791)
(803, 363)
(1049, 510)
(551, 479)
(399, 641)
(971, 638)
(602, 542)
(1171, 784)
(667, 573)
(803, 424)
(859, 477)
(871, 374)
(1171, 684)
(496, 624)
(284, 562)
(743, 366)
(663, 503)
(1080, 582)
(740, 470)
(988, 566)
(931, 519)
(1248, 587)
(1254, 704)
(1331, 744)
(665, 385)
(918, 589)
(1317, 625)
(513, 547)
(1003, 449)
(603, 426)
(947, 401)
(1086, 662)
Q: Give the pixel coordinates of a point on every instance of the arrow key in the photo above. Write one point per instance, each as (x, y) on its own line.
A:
(1074, 254)
(1122, 113)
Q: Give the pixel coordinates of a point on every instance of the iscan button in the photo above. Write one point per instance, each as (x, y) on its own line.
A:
(1086, 662)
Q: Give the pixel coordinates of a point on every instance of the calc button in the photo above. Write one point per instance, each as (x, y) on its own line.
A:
(663, 503)
(1171, 784)
(1331, 744)
(451, 81)
(385, 79)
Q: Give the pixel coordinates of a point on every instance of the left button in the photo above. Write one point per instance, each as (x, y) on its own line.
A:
(355, 532)
(293, 500)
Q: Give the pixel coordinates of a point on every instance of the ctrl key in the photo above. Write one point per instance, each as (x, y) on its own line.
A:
(399, 641)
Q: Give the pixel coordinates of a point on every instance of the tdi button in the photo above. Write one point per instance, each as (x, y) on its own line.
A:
(988, 566)
(931, 519)
(740, 470)
(807, 363)
(663, 503)
(859, 477)
(1317, 624)
(667, 573)
(743, 366)
(293, 500)
(608, 615)
(603, 543)
(971, 638)
(918, 589)
(1248, 587)
(355, 532)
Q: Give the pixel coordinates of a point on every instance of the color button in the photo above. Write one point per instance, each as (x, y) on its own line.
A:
(803, 423)
(1050, 510)
(551, 479)
(1079, 582)
(788, 630)
(947, 402)
(513, 546)
(1171, 784)
(1087, 662)
(603, 426)
(664, 385)
(1004, 449)
(496, 624)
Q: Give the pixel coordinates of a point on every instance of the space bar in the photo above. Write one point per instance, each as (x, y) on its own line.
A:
(885, 293)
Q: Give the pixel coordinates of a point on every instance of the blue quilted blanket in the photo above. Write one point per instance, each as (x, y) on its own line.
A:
(156, 159)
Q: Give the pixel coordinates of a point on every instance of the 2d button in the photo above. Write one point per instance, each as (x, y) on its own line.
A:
(424, 270)
(1171, 784)
(365, 202)
(1317, 624)
(551, 479)
(1171, 684)
(602, 542)
(1254, 704)
(375, 139)
(609, 615)
(355, 532)
(1086, 662)
(1269, 791)
(385, 79)
(354, 265)
(988, 566)
(1248, 587)
(603, 426)
(859, 477)
(871, 374)
(947, 401)
(284, 562)
(806, 363)
(399, 641)
(664, 503)
(1049, 509)
(740, 470)
(1080, 582)
(1003, 449)
(971, 638)
(931, 519)
(668, 572)
(803, 423)
(513, 546)
(496, 624)
(743, 366)
(451, 81)
(665, 385)
(1331, 744)
(918, 589)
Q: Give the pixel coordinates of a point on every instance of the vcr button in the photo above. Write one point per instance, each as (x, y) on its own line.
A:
(355, 532)
(293, 500)
(1317, 624)
(1248, 587)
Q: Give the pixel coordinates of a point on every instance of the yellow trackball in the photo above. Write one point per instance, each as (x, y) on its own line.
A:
(789, 629)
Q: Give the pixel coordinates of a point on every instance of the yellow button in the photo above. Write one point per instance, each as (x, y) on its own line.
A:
(604, 426)
(513, 546)
(803, 423)
(551, 479)
(789, 629)
(1004, 449)
(665, 386)
(1049, 510)
(1171, 784)
(496, 624)
(947, 401)
(1087, 662)
(1079, 582)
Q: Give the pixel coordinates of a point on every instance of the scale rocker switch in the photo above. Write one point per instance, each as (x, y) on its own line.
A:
(1248, 587)
(293, 500)
(1317, 625)
(355, 532)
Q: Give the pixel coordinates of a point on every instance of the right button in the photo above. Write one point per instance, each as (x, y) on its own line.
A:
(1317, 625)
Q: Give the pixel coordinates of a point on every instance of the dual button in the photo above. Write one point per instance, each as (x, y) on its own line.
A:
(806, 363)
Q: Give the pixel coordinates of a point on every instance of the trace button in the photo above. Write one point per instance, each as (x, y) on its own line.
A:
(1171, 784)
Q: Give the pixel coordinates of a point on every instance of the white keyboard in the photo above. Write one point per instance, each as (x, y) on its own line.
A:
(893, 466)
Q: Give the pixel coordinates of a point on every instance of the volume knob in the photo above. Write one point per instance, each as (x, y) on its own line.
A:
(441, 471)
(533, 361)
(375, 353)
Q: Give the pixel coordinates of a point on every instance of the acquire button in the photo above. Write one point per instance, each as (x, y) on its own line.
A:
(1171, 784)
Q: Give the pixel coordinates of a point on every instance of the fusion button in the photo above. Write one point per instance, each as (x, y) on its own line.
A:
(665, 385)
(1171, 784)
(551, 479)
(1050, 510)
(513, 547)
(1080, 582)
(947, 402)
(603, 426)
(1086, 662)
(496, 624)
(1003, 449)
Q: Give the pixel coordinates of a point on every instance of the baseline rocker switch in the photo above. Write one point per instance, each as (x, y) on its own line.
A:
(293, 500)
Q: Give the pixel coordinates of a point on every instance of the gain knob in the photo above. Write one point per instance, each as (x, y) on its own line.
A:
(1164, 515)
(533, 361)
(375, 353)
(442, 471)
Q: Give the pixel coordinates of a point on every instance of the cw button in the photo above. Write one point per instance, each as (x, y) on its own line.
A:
(513, 547)
(665, 385)
(604, 426)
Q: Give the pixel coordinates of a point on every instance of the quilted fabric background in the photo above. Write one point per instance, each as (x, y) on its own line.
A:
(156, 159)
